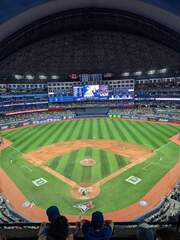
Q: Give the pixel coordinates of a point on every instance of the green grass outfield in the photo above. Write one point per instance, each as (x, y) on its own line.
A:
(115, 194)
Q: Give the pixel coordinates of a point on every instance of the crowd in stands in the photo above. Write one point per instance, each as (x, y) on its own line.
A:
(158, 103)
(104, 103)
(159, 89)
(175, 194)
(8, 215)
(140, 112)
(159, 84)
(36, 116)
(22, 90)
(147, 112)
(12, 103)
(170, 210)
(23, 108)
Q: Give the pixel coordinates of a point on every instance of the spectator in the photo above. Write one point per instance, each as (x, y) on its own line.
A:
(178, 223)
(145, 231)
(97, 229)
(56, 229)
(3, 236)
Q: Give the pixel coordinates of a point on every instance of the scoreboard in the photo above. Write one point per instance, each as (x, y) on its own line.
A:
(93, 92)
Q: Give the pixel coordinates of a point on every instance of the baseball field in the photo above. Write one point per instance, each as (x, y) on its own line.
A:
(114, 163)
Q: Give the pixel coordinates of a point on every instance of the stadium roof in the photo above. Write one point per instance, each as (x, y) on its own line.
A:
(14, 15)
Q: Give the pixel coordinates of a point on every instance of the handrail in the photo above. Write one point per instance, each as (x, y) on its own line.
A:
(37, 224)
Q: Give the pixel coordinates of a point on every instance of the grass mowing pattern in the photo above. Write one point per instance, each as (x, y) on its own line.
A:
(56, 192)
(148, 134)
(69, 164)
(86, 172)
(124, 193)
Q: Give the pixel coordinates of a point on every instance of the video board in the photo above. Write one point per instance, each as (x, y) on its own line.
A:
(103, 91)
(93, 92)
(78, 91)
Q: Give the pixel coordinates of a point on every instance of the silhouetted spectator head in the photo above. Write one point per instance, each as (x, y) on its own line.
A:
(52, 213)
(97, 229)
(97, 220)
(58, 229)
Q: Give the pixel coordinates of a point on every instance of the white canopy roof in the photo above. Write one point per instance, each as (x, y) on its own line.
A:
(134, 6)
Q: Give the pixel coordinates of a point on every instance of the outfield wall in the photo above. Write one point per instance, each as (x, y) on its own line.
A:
(32, 122)
(24, 123)
(155, 118)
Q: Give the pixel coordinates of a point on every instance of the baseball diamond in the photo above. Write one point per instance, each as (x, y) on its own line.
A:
(121, 149)
(90, 119)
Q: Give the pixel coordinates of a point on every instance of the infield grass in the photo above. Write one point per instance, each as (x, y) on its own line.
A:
(69, 164)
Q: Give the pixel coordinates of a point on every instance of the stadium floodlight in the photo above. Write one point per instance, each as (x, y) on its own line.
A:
(17, 76)
(125, 74)
(29, 77)
(151, 72)
(163, 70)
(42, 77)
(54, 77)
(138, 73)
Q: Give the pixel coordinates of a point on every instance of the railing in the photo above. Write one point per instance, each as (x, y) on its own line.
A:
(136, 223)
(122, 230)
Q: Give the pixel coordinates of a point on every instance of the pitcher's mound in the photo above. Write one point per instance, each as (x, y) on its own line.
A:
(88, 162)
(85, 191)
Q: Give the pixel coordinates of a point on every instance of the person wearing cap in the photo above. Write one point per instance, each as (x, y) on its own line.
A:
(57, 228)
(97, 229)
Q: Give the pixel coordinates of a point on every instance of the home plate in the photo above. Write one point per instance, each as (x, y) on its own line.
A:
(133, 180)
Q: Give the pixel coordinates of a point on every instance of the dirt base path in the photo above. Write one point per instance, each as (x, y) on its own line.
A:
(61, 177)
(176, 138)
(133, 152)
(5, 143)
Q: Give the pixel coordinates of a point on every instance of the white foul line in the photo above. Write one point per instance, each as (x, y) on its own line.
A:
(148, 165)
(162, 146)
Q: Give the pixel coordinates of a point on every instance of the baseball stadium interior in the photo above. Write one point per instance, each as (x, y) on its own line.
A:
(71, 61)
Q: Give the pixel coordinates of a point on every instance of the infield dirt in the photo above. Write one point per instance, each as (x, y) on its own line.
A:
(133, 152)
(176, 138)
(6, 143)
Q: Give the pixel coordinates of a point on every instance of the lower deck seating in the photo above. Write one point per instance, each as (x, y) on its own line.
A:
(89, 112)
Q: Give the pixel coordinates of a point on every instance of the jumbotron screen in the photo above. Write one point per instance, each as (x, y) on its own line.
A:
(91, 91)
